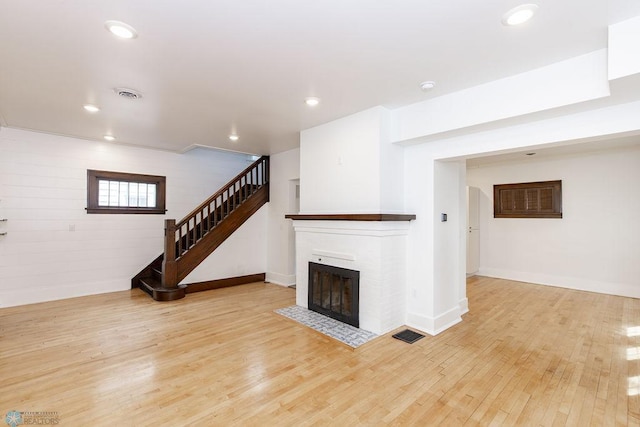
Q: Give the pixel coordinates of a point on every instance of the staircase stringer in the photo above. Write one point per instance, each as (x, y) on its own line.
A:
(195, 237)
(211, 241)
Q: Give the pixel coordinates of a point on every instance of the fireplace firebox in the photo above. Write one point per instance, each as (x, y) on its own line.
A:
(334, 292)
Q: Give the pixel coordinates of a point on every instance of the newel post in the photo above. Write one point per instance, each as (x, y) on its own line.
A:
(169, 264)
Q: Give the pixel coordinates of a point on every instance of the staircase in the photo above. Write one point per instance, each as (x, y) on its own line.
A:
(191, 240)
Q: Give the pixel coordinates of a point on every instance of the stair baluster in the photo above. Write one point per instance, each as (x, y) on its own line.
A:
(190, 241)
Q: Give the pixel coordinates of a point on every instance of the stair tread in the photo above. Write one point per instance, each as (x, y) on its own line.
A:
(204, 221)
(151, 281)
(155, 284)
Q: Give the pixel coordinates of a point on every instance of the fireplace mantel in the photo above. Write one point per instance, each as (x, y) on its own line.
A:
(351, 217)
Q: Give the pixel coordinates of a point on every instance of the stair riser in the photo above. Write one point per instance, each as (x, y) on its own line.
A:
(206, 235)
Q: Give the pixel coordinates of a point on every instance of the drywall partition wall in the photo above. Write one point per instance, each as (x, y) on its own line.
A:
(391, 163)
(285, 173)
(594, 247)
(338, 161)
(420, 190)
(598, 123)
(348, 166)
(564, 83)
(413, 127)
(448, 185)
(624, 45)
(419, 198)
(243, 253)
(436, 279)
(53, 248)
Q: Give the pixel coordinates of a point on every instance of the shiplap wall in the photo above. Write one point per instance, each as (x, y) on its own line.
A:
(54, 249)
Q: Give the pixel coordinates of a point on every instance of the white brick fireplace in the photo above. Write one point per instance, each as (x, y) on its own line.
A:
(376, 248)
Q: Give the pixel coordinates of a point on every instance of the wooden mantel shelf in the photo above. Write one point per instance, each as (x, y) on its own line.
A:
(351, 217)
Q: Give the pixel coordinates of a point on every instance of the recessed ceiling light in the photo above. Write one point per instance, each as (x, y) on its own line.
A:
(312, 101)
(427, 86)
(91, 108)
(109, 138)
(120, 29)
(234, 137)
(519, 15)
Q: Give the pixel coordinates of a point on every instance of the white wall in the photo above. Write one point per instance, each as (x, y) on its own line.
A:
(284, 175)
(560, 84)
(349, 166)
(430, 304)
(594, 247)
(391, 164)
(624, 45)
(43, 195)
(561, 104)
(243, 253)
(450, 239)
(435, 279)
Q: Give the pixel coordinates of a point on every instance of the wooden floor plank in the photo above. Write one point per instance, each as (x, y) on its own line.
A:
(523, 355)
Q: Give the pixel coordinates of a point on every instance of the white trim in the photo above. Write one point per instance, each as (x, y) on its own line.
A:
(16, 296)
(359, 228)
(280, 279)
(463, 305)
(208, 147)
(329, 254)
(434, 325)
(576, 283)
(420, 322)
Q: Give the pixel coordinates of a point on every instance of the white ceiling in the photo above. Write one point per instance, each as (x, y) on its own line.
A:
(208, 68)
(544, 153)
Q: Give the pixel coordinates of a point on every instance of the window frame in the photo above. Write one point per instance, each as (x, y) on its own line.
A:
(93, 176)
(556, 197)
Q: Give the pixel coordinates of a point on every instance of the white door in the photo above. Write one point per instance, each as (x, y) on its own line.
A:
(473, 230)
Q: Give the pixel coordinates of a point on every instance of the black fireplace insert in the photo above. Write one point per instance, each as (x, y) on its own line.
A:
(334, 292)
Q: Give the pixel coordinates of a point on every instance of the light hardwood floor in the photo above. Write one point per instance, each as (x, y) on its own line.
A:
(523, 355)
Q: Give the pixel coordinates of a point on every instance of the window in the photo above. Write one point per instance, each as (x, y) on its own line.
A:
(528, 200)
(117, 192)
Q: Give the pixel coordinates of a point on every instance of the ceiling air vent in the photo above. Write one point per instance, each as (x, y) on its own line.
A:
(127, 93)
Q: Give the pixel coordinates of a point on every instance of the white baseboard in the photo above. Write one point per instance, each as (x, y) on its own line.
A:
(434, 325)
(576, 283)
(464, 306)
(16, 297)
(280, 279)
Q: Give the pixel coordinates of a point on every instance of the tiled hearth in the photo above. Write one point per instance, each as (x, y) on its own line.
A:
(347, 334)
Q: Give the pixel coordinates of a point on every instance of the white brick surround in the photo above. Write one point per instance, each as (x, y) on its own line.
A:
(378, 249)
